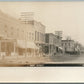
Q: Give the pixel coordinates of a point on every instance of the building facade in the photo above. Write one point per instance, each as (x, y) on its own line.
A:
(39, 29)
(58, 35)
(39, 35)
(13, 28)
(24, 34)
(68, 45)
(52, 43)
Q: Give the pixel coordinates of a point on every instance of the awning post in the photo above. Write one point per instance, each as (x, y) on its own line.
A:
(14, 48)
(0, 48)
(49, 50)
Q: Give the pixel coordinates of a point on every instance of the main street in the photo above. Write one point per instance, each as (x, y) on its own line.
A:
(66, 58)
(57, 59)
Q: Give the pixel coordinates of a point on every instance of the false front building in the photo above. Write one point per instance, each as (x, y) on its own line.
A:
(27, 18)
(22, 35)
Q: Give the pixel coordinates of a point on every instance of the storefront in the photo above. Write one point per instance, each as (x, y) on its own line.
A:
(11, 47)
(7, 47)
(27, 48)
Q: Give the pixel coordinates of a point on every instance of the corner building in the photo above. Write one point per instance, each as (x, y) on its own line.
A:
(39, 29)
(24, 34)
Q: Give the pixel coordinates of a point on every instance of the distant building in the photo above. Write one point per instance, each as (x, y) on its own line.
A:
(68, 45)
(24, 34)
(50, 47)
(79, 47)
(53, 43)
(39, 35)
(58, 33)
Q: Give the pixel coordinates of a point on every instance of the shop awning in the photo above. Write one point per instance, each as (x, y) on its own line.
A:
(26, 44)
(21, 44)
(32, 45)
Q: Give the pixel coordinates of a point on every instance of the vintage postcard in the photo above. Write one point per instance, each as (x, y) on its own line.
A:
(37, 36)
(41, 33)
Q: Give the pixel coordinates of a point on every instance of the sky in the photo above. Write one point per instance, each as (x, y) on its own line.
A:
(56, 16)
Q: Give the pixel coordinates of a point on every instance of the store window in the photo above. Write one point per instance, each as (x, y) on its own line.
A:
(30, 36)
(38, 36)
(35, 35)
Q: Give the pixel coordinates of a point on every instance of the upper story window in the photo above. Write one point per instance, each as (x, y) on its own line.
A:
(35, 35)
(5, 28)
(65, 44)
(69, 44)
(62, 44)
(38, 36)
(27, 36)
(30, 35)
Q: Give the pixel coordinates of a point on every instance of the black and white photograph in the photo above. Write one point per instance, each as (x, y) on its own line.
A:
(41, 34)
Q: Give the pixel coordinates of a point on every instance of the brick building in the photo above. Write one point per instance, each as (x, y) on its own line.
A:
(25, 34)
(39, 29)
(53, 43)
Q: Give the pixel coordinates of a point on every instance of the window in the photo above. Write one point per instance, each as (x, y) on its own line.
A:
(62, 44)
(29, 36)
(35, 35)
(38, 36)
(5, 30)
(41, 37)
(65, 44)
(32, 36)
(12, 32)
(17, 32)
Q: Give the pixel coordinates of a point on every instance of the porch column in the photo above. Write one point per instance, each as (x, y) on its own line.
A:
(0, 48)
(14, 48)
(5, 49)
(49, 50)
(25, 48)
(34, 52)
(17, 50)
